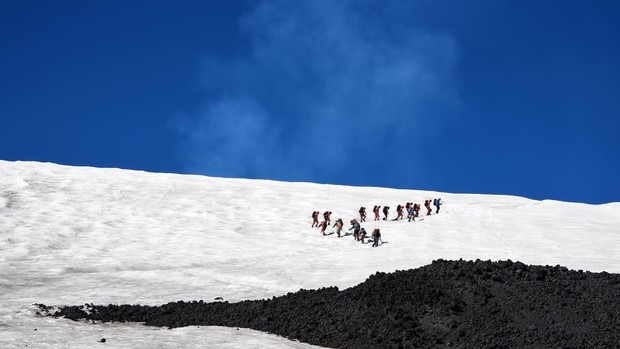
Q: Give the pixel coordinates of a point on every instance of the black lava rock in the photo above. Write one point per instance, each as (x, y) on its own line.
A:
(447, 304)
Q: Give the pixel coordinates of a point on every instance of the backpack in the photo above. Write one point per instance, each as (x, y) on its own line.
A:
(435, 202)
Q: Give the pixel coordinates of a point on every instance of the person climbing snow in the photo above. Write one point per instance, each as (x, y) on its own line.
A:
(427, 204)
(376, 211)
(386, 210)
(315, 219)
(399, 211)
(437, 203)
(338, 226)
(376, 236)
(323, 226)
(411, 213)
(416, 209)
(327, 217)
(362, 235)
(356, 229)
(362, 214)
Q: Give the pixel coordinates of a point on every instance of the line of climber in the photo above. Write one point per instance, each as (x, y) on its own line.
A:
(412, 209)
(359, 233)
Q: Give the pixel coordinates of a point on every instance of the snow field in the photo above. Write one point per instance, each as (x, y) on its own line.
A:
(71, 235)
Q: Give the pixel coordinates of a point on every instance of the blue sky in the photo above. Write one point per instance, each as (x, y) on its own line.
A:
(502, 97)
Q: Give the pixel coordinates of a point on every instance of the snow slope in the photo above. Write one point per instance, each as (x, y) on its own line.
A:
(74, 235)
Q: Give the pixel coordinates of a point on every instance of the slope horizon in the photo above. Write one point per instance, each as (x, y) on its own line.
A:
(138, 170)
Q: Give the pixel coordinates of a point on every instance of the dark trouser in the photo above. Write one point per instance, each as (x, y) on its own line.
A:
(375, 242)
(437, 208)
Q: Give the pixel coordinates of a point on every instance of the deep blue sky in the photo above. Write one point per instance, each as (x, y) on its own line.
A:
(504, 97)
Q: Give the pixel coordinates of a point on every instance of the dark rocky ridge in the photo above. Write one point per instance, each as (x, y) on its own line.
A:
(447, 304)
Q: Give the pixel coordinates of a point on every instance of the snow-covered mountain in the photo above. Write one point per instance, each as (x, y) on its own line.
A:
(74, 235)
